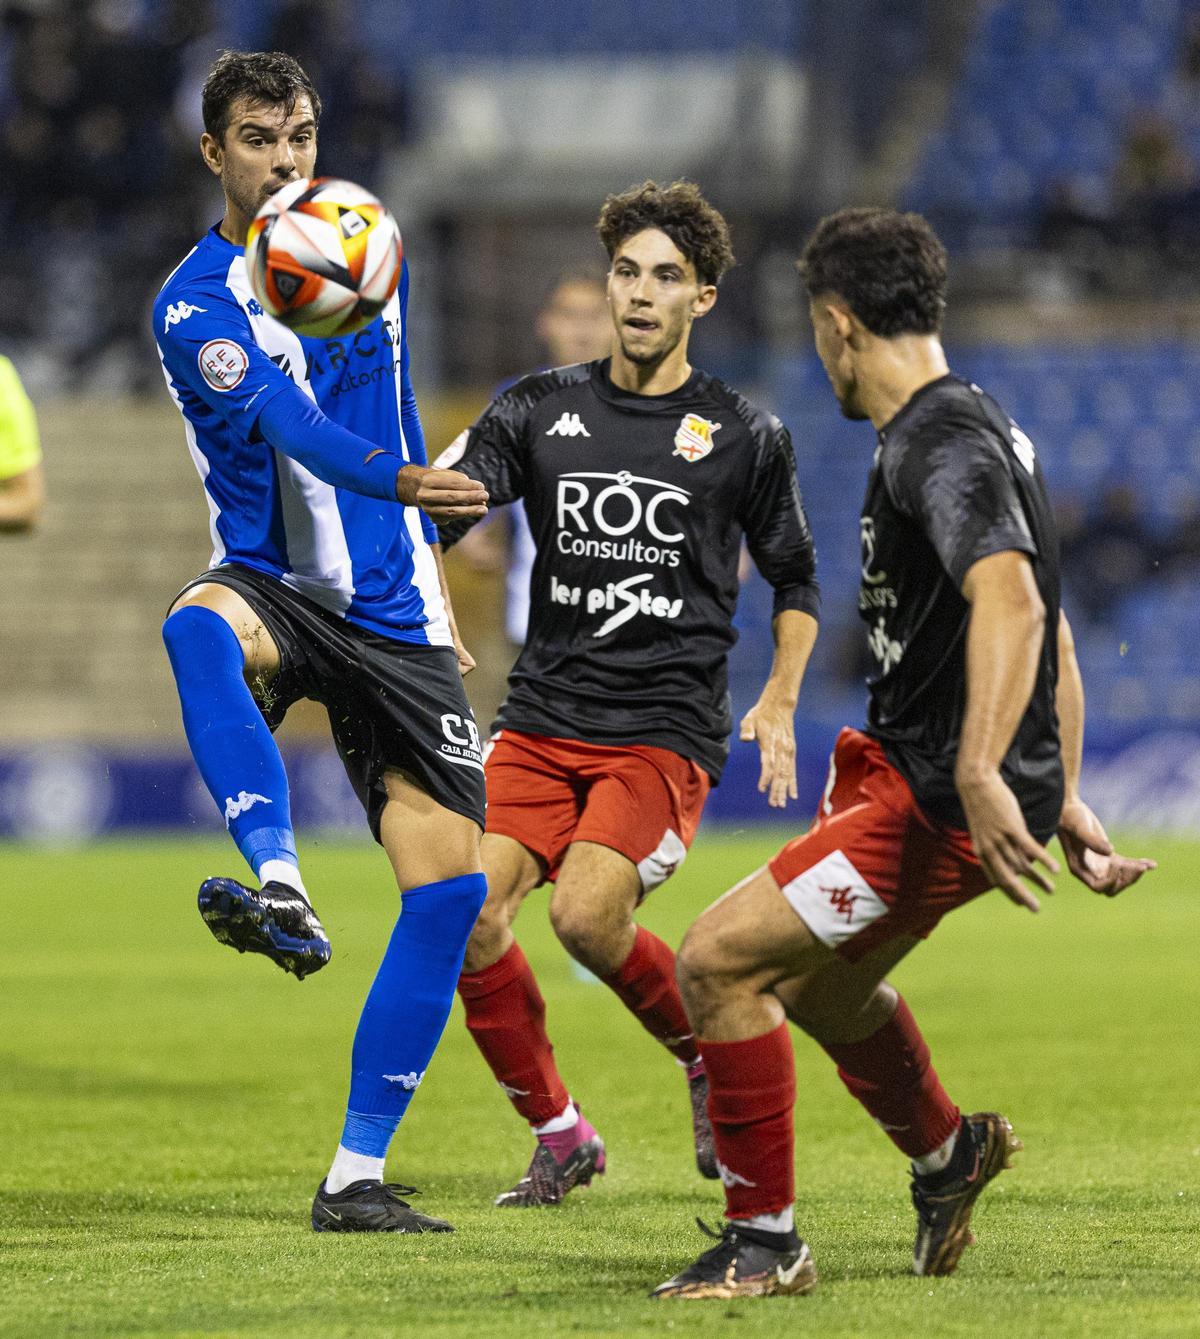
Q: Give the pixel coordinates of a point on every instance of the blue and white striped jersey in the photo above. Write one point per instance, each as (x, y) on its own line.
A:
(224, 359)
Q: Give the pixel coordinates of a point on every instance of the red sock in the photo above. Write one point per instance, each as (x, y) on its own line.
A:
(645, 985)
(507, 1017)
(891, 1076)
(751, 1092)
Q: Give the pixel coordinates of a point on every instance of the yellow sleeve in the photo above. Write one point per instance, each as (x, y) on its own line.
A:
(19, 447)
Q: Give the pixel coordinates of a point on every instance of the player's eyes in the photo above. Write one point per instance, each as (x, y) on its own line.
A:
(302, 138)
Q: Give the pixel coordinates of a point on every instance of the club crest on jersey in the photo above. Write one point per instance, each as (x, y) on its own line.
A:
(223, 363)
(693, 437)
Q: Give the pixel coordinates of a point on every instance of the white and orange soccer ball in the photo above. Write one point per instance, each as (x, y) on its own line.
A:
(323, 257)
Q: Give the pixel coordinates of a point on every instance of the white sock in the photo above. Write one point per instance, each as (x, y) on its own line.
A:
(771, 1222)
(938, 1160)
(567, 1121)
(349, 1167)
(282, 871)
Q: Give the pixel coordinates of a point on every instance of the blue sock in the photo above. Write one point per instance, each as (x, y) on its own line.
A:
(407, 1007)
(229, 739)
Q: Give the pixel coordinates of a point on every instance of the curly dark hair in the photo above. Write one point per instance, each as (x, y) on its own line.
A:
(272, 77)
(680, 211)
(888, 267)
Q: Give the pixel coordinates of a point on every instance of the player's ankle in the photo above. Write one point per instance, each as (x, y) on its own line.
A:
(285, 872)
(349, 1167)
(567, 1119)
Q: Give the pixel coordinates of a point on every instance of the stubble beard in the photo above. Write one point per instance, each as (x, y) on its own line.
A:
(651, 358)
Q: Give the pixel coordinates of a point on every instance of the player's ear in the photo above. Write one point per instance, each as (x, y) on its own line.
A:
(213, 153)
(843, 320)
(704, 301)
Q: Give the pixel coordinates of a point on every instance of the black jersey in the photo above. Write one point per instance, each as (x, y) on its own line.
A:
(954, 481)
(638, 505)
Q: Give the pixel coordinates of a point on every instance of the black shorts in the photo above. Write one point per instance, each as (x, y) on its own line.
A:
(392, 705)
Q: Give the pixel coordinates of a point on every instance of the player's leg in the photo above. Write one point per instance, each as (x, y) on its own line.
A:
(729, 965)
(871, 1035)
(218, 646)
(506, 1015)
(641, 815)
(434, 852)
(533, 807)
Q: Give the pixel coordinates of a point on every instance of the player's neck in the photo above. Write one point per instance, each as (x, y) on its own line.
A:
(899, 368)
(234, 226)
(650, 378)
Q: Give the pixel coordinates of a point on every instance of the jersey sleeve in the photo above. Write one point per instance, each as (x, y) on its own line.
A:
(212, 351)
(776, 527)
(20, 449)
(493, 450)
(960, 489)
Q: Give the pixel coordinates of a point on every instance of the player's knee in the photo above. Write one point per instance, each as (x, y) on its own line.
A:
(199, 641)
(698, 967)
(586, 929)
(491, 926)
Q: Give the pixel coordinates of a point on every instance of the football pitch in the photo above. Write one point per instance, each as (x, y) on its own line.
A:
(167, 1109)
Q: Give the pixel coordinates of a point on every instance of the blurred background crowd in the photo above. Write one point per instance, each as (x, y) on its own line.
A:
(1055, 145)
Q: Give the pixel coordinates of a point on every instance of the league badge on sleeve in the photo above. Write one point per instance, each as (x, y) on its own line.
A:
(693, 437)
(223, 363)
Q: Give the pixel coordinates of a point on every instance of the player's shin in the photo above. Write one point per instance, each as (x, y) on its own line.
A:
(891, 1075)
(231, 742)
(403, 1019)
(507, 1017)
(645, 984)
(752, 1090)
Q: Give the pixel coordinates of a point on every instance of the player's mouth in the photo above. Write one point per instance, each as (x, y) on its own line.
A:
(641, 323)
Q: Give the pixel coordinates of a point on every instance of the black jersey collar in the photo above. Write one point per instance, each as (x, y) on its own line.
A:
(936, 384)
(602, 384)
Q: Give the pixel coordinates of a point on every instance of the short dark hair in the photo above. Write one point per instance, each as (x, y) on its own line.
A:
(272, 77)
(888, 267)
(680, 211)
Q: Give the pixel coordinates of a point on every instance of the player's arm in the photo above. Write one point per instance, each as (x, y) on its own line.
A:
(213, 353)
(1005, 632)
(771, 720)
(22, 488)
(466, 661)
(1090, 855)
(780, 542)
(21, 499)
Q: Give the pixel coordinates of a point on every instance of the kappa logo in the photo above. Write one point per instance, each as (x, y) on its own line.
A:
(568, 425)
(730, 1178)
(694, 437)
(842, 900)
(410, 1082)
(235, 808)
(180, 311)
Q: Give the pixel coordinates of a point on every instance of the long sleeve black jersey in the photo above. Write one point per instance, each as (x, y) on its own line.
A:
(638, 505)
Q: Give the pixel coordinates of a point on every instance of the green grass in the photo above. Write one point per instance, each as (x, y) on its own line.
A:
(167, 1108)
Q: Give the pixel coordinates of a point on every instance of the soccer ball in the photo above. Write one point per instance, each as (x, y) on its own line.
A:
(323, 257)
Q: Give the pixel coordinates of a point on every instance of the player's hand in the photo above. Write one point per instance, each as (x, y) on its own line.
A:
(466, 661)
(1090, 855)
(1005, 846)
(773, 725)
(443, 495)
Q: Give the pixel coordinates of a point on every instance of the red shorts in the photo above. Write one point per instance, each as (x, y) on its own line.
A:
(642, 801)
(873, 866)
